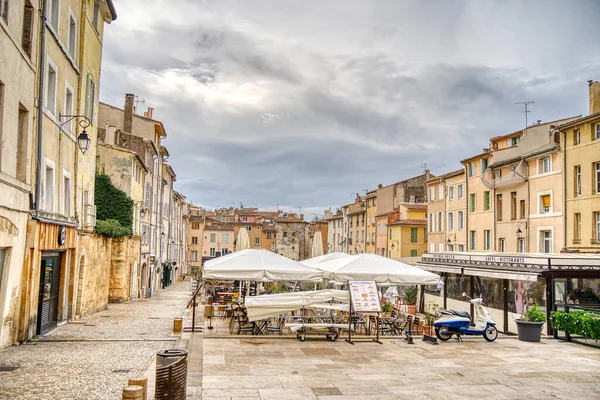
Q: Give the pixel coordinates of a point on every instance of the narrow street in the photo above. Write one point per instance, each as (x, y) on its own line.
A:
(92, 358)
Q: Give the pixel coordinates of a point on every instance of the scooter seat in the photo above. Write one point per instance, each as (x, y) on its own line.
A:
(462, 314)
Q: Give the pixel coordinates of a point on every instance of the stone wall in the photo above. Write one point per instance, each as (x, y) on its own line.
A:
(94, 266)
(124, 265)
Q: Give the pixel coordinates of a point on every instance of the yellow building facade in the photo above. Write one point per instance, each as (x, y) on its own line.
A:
(480, 205)
(581, 149)
(407, 231)
(371, 224)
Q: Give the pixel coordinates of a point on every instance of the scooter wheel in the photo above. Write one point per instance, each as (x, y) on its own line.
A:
(443, 334)
(490, 334)
(302, 338)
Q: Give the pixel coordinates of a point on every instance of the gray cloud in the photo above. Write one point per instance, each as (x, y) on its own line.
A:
(303, 103)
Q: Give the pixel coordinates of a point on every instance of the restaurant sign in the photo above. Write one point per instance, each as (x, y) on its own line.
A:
(364, 296)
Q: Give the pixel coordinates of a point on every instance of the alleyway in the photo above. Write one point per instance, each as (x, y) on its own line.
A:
(92, 358)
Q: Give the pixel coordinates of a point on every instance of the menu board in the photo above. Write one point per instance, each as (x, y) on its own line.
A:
(364, 296)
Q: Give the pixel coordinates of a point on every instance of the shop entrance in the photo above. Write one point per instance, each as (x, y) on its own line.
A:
(49, 292)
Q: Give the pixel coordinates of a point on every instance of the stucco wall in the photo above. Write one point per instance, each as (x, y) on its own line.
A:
(124, 268)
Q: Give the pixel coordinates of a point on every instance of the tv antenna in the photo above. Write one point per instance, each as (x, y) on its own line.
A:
(526, 104)
(424, 166)
(137, 100)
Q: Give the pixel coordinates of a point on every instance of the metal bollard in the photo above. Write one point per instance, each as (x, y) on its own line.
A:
(140, 381)
(171, 374)
(133, 393)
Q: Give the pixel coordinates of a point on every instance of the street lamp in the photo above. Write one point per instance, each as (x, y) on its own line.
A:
(519, 232)
(452, 235)
(83, 140)
(142, 212)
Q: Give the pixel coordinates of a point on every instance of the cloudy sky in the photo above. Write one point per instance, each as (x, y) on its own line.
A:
(302, 103)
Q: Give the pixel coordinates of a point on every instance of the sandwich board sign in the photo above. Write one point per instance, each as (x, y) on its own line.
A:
(364, 298)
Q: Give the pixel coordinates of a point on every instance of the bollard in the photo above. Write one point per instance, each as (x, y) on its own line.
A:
(133, 393)
(171, 375)
(140, 381)
(178, 325)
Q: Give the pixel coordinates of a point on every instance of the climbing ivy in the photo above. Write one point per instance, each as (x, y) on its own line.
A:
(114, 209)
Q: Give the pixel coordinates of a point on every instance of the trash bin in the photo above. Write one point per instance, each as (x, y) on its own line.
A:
(171, 374)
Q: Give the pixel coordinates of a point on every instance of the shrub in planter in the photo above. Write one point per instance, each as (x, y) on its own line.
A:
(410, 297)
(586, 324)
(529, 326)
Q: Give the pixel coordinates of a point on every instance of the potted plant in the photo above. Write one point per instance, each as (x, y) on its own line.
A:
(410, 298)
(529, 326)
(386, 308)
(430, 316)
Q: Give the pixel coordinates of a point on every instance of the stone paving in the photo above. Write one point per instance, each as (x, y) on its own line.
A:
(286, 369)
(93, 358)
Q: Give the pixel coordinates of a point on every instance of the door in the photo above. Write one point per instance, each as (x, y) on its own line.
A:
(49, 291)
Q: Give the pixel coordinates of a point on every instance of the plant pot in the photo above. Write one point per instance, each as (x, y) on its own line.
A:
(412, 310)
(529, 331)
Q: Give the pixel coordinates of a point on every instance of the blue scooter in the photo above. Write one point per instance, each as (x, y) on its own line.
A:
(459, 323)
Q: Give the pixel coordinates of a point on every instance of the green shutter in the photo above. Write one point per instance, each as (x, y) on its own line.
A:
(425, 234)
(472, 203)
(486, 200)
(413, 235)
(413, 253)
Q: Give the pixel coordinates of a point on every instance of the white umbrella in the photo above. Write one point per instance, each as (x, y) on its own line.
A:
(259, 265)
(312, 262)
(243, 241)
(316, 249)
(376, 268)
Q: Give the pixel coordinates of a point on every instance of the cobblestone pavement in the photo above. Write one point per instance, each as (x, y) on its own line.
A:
(93, 358)
(273, 368)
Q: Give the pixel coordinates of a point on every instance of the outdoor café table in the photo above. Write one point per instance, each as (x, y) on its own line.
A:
(391, 323)
(328, 329)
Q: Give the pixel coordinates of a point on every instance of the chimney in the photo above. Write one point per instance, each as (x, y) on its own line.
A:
(128, 119)
(594, 97)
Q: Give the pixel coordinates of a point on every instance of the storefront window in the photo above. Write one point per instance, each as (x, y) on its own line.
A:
(456, 285)
(490, 289)
(523, 293)
(583, 291)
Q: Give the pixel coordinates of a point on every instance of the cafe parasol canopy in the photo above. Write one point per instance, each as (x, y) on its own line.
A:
(376, 268)
(259, 265)
(312, 262)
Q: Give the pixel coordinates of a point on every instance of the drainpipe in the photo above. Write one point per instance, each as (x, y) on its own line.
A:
(42, 58)
(466, 193)
(527, 224)
(564, 188)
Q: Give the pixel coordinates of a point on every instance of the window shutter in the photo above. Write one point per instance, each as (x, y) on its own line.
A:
(88, 91)
(413, 235)
(546, 200)
(27, 36)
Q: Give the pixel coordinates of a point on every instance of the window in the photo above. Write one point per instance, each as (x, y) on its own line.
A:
(68, 107)
(71, 45)
(502, 245)
(48, 188)
(440, 192)
(440, 222)
(461, 247)
(472, 202)
(451, 193)
(577, 228)
(450, 221)
(597, 227)
(597, 132)
(486, 200)
(499, 207)
(498, 174)
(373, 237)
(194, 255)
(95, 15)
(67, 194)
(522, 207)
(213, 237)
(54, 13)
(413, 253)
(430, 222)
(509, 142)
(513, 205)
(285, 234)
(472, 241)
(225, 238)
(460, 221)
(431, 194)
(578, 180)
(486, 239)
(51, 87)
(195, 225)
(272, 246)
(27, 32)
(597, 177)
(4, 10)
(471, 169)
(249, 228)
(22, 141)
(413, 235)
(545, 165)
(390, 234)
(521, 245)
(450, 247)
(484, 164)
(194, 240)
(244, 219)
(90, 97)
(460, 191)
(212, 251)
(545, 204)
(257, 241)
(576, 136)
(546, 241)
(269, 235)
